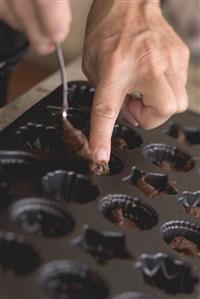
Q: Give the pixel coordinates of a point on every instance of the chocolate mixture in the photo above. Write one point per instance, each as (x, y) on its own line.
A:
(194, 211)
(118, 217)
(185, 246)
(168, 166)
(181, 137)
(119, 143)
(150, 191)
(146, 188)
(78, 144)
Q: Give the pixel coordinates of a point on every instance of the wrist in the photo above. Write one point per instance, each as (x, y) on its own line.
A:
(145, 7)
(132, 8)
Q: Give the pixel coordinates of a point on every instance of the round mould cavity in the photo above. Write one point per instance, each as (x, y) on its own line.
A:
(133, 295)
(69, 186)
(40, 137)
(191, 202)
(16, 255)
(78, 118)
(182, 236)
(81, 94)
(167, 273)
(168, 157)
(125, 138)
(128, 212)
(71, 280)
(42, 217)
(18, 164)
(6, 195)
(115, 165)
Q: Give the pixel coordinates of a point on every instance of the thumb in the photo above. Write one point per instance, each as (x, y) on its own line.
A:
(106, 107)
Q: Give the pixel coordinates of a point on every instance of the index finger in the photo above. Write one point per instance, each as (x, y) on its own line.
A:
(106, 107)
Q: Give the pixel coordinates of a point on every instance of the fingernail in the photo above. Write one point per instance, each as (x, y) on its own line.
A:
(44, 49)
(136, 124)
(100, 154)
(59, 37)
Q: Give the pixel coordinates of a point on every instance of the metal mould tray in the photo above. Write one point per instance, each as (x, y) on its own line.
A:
(134, 234)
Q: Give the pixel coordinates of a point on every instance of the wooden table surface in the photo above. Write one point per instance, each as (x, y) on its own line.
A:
(12, 111)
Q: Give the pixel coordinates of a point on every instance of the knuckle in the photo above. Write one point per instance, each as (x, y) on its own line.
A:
(148, 53)
(186, 51)
(104, 111)
(182, 50)
(147, 126)
(182, 106)
(168, 110)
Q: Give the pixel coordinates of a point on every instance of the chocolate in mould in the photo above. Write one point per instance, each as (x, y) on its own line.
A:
(65, 233)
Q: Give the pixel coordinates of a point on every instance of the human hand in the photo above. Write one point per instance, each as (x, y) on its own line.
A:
(129, 47)
(44, 22)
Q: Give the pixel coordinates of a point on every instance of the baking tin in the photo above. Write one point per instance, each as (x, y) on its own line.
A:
(68, 234)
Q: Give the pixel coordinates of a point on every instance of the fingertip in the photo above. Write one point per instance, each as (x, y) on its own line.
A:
(55, 19)
(59, 37)
(61, 33)
(42, 48)
(100, 154)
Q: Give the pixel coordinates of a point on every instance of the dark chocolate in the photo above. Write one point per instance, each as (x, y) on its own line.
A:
(17, 255)
(79, 146)
(151, 184)
(167, 273)
(103, 246)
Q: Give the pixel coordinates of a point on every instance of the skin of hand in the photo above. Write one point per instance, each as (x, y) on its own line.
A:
(44, 22)
(129, 47)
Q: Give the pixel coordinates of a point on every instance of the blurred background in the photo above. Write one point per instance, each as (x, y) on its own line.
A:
(182, 14)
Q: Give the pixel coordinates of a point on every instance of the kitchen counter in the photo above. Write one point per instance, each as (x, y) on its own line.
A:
(12, 111)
